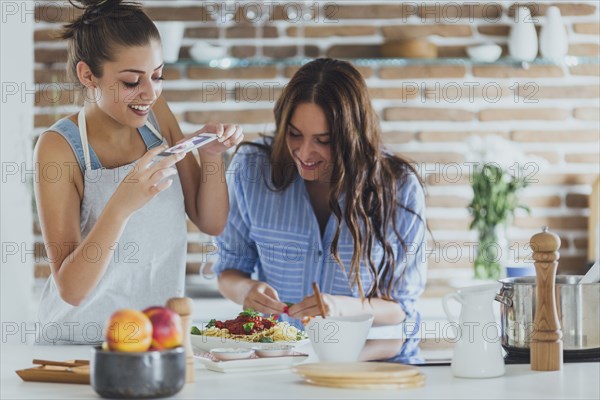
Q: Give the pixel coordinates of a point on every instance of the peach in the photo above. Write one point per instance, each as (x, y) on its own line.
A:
(129, 330)
(167, 331)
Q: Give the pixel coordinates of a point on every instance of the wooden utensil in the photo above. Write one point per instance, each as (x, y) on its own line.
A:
(594, 223)
(74, 363)
(546, 341)
(71, 371)
(183, 307)
(317, 292)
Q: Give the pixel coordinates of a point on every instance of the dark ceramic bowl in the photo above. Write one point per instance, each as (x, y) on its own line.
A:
(137, 375)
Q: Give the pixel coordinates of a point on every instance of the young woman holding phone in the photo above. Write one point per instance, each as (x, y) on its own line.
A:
(114, 222)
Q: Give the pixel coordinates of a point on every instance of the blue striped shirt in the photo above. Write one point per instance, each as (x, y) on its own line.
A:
(275, 237)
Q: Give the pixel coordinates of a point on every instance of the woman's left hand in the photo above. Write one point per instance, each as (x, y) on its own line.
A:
(310, 308)
(229, 135)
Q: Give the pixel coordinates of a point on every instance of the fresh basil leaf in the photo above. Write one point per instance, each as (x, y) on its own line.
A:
(248, 312)
(248, 327)
(196, 331)
(211, 323)
(265, 339)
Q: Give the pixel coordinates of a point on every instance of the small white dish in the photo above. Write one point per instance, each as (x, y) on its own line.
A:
(484, 52)
(252, 364)
(226, 354)
(274, 351)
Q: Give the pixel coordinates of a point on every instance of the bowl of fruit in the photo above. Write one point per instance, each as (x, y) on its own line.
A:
(142, 356)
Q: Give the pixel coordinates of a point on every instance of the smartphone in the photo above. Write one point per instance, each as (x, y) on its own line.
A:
(190, 144)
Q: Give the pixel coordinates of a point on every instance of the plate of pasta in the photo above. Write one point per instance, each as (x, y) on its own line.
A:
(249, 329)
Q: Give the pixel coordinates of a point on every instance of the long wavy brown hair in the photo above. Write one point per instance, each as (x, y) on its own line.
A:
(368, 177)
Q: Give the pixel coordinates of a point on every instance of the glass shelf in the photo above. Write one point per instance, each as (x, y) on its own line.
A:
(227, 63)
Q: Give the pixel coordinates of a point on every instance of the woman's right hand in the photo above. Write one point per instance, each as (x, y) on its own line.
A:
(263, 298)
(145, 181)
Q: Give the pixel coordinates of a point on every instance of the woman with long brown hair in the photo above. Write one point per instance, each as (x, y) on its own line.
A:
(114, 220)
(323, 202)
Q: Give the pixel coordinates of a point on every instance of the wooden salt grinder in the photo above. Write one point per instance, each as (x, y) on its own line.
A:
(183, 307)
(546, 341)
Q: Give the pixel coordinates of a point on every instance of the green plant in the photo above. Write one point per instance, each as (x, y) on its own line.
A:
(495, 199)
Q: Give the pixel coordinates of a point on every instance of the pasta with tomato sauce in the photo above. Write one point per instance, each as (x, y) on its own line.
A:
(249, 326)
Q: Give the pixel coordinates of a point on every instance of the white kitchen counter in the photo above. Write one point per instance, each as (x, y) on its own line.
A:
(575, 381)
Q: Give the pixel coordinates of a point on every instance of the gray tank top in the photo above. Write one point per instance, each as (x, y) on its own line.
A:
(148, 264)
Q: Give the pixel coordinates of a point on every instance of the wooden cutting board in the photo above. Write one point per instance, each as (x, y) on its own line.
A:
(417, 381)
(408, 379)
(357, 371)
(79, 373)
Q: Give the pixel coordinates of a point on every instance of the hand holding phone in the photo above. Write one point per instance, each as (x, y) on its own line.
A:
(189, 144)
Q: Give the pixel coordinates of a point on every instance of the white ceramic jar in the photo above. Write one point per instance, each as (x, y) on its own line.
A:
(171, 37)
(554, 43)
(522, 41)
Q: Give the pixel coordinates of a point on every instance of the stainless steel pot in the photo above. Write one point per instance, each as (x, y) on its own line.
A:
(578, 309)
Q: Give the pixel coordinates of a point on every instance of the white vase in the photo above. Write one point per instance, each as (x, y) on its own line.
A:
(171, 36)
(522, 41)
(554, 43)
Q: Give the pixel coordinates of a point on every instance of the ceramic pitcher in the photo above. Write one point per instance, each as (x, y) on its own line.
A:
(477, 351)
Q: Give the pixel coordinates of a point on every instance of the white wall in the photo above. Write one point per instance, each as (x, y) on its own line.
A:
(16, 117)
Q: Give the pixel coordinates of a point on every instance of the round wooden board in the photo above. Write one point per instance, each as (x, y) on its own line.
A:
(371, 386)
(371, 381)
(356, 370)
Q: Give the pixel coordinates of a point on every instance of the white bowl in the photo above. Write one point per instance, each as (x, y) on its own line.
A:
(484, 52)
(274, 351)
(207, 52)
(339, 339)
(225, 354)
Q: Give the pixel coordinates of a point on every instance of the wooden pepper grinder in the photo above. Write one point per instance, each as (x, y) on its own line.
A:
(546, 341)
(183, 307)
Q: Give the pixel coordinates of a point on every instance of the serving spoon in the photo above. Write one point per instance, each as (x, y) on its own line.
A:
(593, 275)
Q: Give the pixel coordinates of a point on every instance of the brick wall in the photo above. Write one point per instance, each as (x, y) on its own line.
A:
(549, 111)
